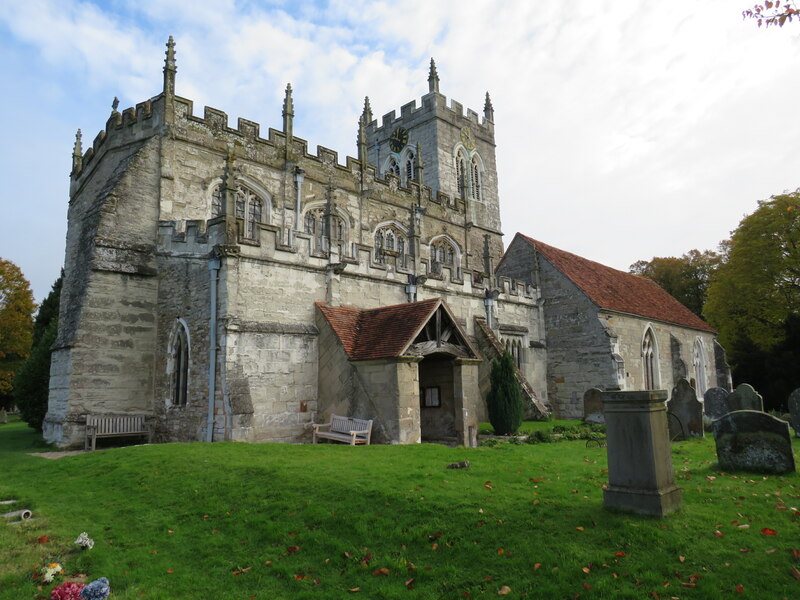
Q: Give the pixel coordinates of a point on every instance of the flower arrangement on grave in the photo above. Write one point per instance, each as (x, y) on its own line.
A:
(71, 590)
(99, 589)
(84, 541)
(50, 571)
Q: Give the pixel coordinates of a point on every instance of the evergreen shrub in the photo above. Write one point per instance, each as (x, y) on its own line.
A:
(504, 401)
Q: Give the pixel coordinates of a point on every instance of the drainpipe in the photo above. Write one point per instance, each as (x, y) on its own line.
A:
(213, 268)
(298, 181)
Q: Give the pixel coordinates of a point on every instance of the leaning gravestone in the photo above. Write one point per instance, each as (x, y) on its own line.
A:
(794, 410)
(593, 407)
(715, 402)
(686, 412)
(750, 440)
(744, 397)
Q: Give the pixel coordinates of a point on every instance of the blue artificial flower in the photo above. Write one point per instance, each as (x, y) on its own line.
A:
(99, 589)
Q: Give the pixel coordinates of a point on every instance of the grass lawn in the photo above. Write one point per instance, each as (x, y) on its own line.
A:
(273, 521)
(533, 426)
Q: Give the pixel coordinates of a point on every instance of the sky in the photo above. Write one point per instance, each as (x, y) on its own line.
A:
(624, 130)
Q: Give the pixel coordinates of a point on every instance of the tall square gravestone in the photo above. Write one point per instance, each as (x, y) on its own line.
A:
(794, 411)
(744, 397)
(640, 475)
(686, 412)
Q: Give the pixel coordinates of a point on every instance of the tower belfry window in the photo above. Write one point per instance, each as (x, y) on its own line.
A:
(410, 174)
(475, 172)
(393, 167)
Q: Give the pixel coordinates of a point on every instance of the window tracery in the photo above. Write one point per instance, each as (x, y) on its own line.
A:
(442, 252)
(248, 206)
(649, 360)
(179, 359)
(390, 238)
(410, 171)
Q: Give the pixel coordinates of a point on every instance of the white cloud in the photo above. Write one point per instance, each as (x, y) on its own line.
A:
(624, 130)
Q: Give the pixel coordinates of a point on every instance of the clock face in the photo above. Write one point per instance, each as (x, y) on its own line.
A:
(466, 138)
(398, 139)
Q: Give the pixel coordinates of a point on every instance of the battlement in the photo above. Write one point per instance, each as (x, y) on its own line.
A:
(198, 239)
(433, 105)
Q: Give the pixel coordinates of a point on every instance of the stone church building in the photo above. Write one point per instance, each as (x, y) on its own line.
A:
(231, 285)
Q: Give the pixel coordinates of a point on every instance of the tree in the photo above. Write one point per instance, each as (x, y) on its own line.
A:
(685, 278)
(504, 401)
(772, 13)
(16, 324)
(754, 298)
(32, 381)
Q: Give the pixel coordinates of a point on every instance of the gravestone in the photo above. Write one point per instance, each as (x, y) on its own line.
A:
(593, 407)
(3, 416)
(640, 474)
(686, 412)
(744, 397)
(750, 440)
(715, 402)
(794, 410)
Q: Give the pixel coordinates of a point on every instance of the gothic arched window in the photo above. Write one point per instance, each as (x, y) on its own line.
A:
(649, 360)
(311, 223)
(700, 367)
(253, 217)
(461, 174)
(475, 188)
(443, 252)
(389, 240)
(216, 202)
(410, 171)
(179, 361)
(393, 167)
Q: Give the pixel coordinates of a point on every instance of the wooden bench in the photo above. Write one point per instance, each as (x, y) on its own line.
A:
(115, 426)
(344, 429)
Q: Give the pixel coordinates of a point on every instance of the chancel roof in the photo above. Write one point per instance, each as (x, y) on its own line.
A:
(388, 331)
(619, 291)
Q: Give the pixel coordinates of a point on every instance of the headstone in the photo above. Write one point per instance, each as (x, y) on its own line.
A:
(640, 474)
(686, 412)
(794, 410)
(750, 440)
(593, 407)
(3, 416)
(715, 402)
(744, 397)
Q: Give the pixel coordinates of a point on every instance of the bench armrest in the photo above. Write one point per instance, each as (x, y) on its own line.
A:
(318, 426)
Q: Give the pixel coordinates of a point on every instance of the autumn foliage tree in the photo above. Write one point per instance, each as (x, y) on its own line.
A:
(754, 298)
(686, 278)
(504, 401)
(32, 381)
(16, 326)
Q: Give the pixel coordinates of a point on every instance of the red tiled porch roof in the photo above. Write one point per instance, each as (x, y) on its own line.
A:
(379, 332)
(619, 291)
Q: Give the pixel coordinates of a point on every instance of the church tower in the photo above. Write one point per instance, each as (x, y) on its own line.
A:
(457, 151)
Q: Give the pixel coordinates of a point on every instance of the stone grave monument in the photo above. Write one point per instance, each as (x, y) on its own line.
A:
(640, 475)
(715, 402)
(686, 418)
(750, 440)
(593, 407)
(744, 397)
(794, 411)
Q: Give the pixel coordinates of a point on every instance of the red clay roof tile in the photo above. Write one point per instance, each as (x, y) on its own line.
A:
(619, 291)
(379, 332)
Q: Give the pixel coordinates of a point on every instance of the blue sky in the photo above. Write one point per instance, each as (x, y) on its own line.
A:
(624, 130)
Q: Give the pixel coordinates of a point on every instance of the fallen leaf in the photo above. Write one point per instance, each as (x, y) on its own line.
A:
(434, 546)
(537, 566)
(153, 551)
(579, 528)
(744, 526)
(267, 562)
(768, 531)
(795, 573)
(355, 589)
(292, 549)
(409, 582)
(504, 591)
(586, 570)
(381, 571)
(682, 559)
(501, 551)
(170, 531)
(43, 539)
(347, 554)
(718, 533)
(170, 571)
(213, 531)
(739, 588)
(795, 554)
(586, 586)
(688, 585)
(619, 554)
(743, 550)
